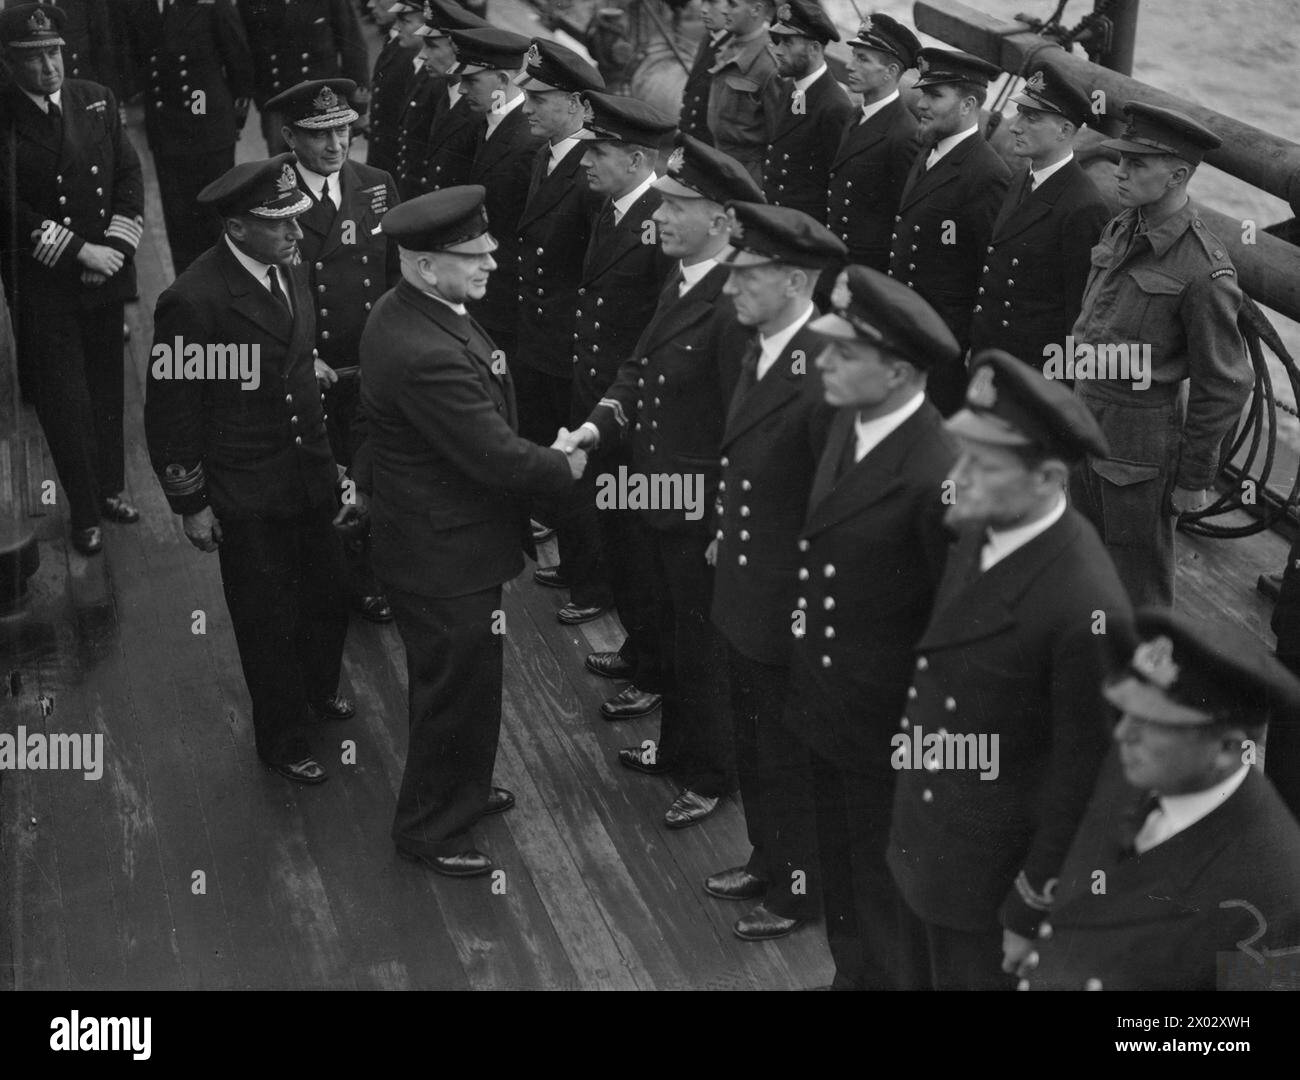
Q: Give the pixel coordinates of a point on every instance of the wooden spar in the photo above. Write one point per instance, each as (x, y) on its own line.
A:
(1263, 160)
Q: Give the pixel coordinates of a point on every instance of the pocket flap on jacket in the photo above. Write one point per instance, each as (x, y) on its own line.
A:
(1153, 281)
(739, 82)
(1124, 473)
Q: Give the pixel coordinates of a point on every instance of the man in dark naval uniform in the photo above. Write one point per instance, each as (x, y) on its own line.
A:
(950, 201)
(71, 215)
(296, 41)
(694, 119)
(87, 33)
(447, 480)
(237, 436)
(877, 145)
(670, 398)
(873, 549)
(395, 70)
(1040, 251)
(1003, 737)
(805, 131)
(350, 264)
(1185, 872)
(197, 73)
(775, 431)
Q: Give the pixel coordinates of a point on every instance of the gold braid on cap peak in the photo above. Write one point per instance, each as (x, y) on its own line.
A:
(1154, 661)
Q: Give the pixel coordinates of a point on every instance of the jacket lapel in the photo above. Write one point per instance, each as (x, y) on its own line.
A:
(500, 144)
(553, 188)
(923, 182)
(625, 238)
(254, 302)
(683, 312)
(1015, 217)
(778, 386)
(33, 124)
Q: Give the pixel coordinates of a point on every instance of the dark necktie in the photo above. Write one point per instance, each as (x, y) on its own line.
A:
(52, 110)
(276, 290)
(1131, 824)
(604, 226)
(849, 457)
(1026, 188)
(325, 197)
(748, 377)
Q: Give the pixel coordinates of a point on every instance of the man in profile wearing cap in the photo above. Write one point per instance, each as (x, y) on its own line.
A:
(1002, 737)
(745, 94)
(775, 430)
(871, 551)
(670, 398)
(447, 479)
(553, 232)
(395, 69)
(949, 204)
(194, 61)
(806, 129)
(694, 118)
(71, 216)
(236, 433)
(298, 42)
(1185, 872)
(350, 264)
(623, 274)
(1162, 294)
(1040, 252)
(488, 62)
(877, 146)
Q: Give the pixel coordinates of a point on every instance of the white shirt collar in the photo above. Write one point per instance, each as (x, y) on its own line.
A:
(947, 143)
(1042, 174)
(868, 111)
(393, 33)
(624, 202)
(559, 149)
(495, 115)
(801, 85)
(691, 275)
(417, 61)
(459, 309)
(1002, 542)
(1179, 812)
(257, 269)
(454, 91)
(314, 180)
(871, 433)
(39, 99)
(772, 348)
(718, 35)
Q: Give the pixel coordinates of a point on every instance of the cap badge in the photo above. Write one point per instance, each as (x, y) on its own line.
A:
(783, 13)
(1036, 82)
(325, 101)
(676, 160)
(38, 21)
(737, 229)
(1154, 661)
(841, 298)
(534, 58)
(864, 28)
(286, 182)
(428, 11)
(922, 64)
(981, 392)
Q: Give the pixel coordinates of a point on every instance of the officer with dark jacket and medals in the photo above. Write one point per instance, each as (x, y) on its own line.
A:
(775, 431)
(395, 69)
(671, 397)
(236, 433)
(350, 264)
(193, 59)
(1003, 734)
(71, 215)
(447, 480)
(871, 554)
(1039, 255)
(694, 119)
(296, 41)
(553, 233)
(949, 203)
(1157, 355)
(877, 146)
(504, 149)
(622, 275)
(1185, 872)
(806, 129)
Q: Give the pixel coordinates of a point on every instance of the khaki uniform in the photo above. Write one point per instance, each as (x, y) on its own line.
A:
(1174, 289)
(744, 98)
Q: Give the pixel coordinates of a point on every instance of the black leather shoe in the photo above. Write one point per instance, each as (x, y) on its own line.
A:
(334, 708)
(306, 771)
(469, 863)
(550, 577)
(629, 703)
(763, 925)
(88, 541)
(690, 808)
(735, 884)
(116, 508)
(635, 758)
(499, 801)
(609, 665)
(573, 615)
(541, 533)
(375, 609)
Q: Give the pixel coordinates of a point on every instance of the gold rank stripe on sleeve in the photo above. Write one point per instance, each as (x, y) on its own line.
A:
(52, 242)
(128, 230)
(178, 482)
(619, 414)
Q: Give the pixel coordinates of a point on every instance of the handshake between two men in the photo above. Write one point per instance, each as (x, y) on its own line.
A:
(572, 444)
